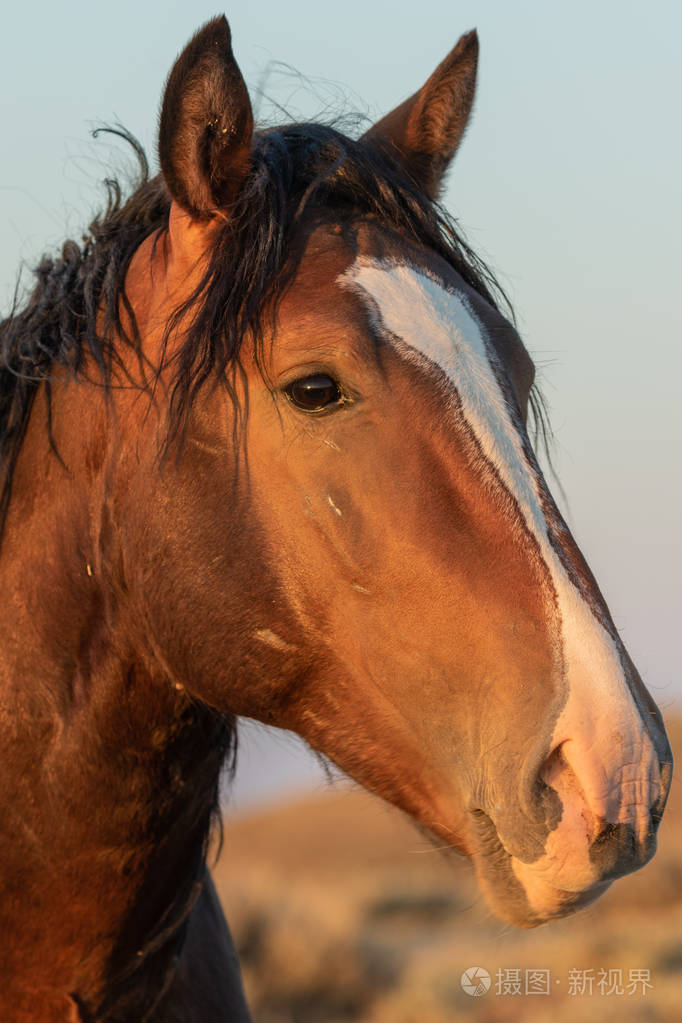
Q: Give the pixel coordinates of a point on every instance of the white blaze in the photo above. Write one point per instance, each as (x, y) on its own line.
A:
(434, 326)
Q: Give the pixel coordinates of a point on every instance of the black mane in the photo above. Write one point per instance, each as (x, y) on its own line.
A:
(73, 316)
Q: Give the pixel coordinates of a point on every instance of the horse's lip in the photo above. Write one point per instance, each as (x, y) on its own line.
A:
(567, 902)
(507, 896)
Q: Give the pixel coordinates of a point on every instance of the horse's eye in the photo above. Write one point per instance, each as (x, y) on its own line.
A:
(314, 393)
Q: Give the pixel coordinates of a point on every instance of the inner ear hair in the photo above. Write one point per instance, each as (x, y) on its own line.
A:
(206, 124)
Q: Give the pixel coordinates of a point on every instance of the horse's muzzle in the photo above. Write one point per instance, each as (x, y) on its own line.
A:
(581, 827)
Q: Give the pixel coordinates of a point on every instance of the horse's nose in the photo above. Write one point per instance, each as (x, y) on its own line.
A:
(612, 798)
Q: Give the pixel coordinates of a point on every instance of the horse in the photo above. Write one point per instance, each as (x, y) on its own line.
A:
(266, 452)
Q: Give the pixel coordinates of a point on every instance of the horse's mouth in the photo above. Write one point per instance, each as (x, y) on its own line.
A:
(517, 892)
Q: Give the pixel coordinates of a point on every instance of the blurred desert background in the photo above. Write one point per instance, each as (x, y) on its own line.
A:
(342, 911)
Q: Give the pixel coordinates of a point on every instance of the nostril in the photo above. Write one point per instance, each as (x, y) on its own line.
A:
(554, 765)
(557, 774)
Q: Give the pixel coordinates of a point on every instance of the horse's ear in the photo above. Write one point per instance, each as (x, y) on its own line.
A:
(425, 131)
(206, 124)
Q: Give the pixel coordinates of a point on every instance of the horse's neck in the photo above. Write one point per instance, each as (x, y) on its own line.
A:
(109, 774)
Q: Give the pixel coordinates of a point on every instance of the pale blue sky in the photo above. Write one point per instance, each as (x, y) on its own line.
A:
(568, 182)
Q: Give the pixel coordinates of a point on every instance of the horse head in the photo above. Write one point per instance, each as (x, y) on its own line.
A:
(350, 535)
